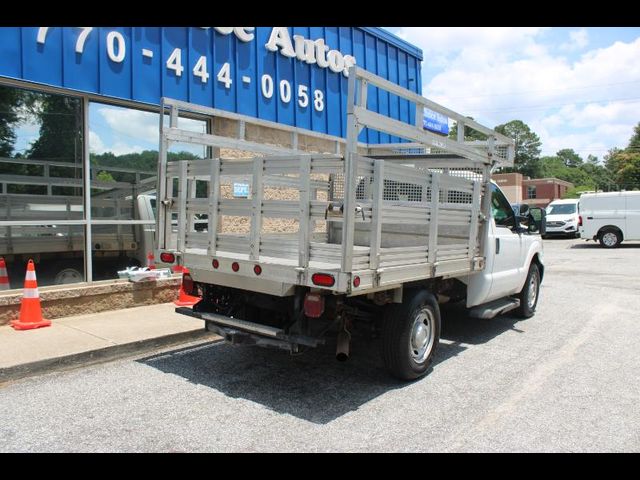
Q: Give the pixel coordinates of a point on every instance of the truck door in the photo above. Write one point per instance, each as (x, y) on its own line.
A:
(507, 245)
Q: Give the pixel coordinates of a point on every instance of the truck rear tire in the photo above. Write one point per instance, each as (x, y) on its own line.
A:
(609, 237)
(410, 335)
(530, 292)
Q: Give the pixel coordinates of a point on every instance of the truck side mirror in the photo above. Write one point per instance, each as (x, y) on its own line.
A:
(539, 217)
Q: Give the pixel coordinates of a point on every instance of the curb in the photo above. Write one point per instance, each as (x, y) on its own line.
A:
(113, 352)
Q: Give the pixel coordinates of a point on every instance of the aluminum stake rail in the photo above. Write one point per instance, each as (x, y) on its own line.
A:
(371, 218)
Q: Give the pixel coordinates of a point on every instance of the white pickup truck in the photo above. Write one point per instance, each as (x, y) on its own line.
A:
(372, 238)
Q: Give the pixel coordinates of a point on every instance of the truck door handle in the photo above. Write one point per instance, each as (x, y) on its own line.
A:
(589, 218)
(497, 246)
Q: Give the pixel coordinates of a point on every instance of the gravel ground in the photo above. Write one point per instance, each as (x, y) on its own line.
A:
(566, 380)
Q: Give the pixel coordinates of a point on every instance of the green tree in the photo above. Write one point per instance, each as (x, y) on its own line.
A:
(105, 176)
(469, 133)
(634, 142)
(576, 191)
(60, 129)
(8, 119)
(624, 165)
(527, 148)
(627, 175)
(570, 157)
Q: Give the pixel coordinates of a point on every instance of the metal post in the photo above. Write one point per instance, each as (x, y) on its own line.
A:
(376, 214)
(214, 193)
(475, 214)
(433, 218)
(350, 176)
(256, 211)
(304, 228)
(88, 242)
(161, 209)
(182, 205)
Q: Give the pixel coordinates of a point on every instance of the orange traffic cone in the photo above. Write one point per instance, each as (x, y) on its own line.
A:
(30, 310)
(4, 277)
(185, 300)
(151, 261)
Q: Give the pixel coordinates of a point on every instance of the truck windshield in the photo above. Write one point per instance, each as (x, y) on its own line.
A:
(561, 209)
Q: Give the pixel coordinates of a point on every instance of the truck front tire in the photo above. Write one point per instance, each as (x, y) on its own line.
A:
(530, 292)
(410, 335)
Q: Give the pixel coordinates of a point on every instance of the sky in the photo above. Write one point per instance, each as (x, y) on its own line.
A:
(575, 87)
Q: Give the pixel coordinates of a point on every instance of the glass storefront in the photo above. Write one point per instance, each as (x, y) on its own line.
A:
(42, 194)
(41, 173)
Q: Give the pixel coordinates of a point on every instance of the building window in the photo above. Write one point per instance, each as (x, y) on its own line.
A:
(531, 191)
(41, 171)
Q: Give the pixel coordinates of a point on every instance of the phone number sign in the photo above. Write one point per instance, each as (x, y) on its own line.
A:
(292, 75)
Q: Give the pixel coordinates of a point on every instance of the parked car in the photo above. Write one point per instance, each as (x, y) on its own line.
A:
(563, 218)
(610, 217)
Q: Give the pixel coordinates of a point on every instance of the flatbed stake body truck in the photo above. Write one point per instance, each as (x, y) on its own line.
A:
(372, 237)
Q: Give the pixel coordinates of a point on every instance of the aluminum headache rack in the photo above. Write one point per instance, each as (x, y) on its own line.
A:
(366, 217)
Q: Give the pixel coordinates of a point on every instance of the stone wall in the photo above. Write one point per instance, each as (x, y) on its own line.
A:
(66, 300)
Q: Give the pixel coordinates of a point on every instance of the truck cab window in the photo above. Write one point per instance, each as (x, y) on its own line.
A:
(501, 209)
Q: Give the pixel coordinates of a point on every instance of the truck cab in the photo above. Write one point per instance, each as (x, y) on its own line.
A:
(513, 243)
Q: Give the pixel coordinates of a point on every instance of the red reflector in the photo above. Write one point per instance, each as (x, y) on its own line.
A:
(313, 305)
(187, 284)
(257, 269)
(323, 279)
(215, 263)
(356, 282)
(167, 257)
(235, 266)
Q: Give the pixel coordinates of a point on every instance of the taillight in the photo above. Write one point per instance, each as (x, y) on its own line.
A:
(167, 257)
(313, 305)
(323, 279)
(235, 266)
(215, 263)
(579, 220)
(356, 282)
(187, 284)
(257, 269)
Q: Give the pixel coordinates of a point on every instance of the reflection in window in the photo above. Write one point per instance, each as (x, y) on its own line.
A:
(41, 182)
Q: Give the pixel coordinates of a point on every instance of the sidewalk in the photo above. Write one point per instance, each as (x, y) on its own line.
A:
(86, 339)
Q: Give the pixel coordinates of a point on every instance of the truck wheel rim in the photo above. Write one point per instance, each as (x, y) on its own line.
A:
(421, 341)
(532, 293)
(609, 239)
(68, 275)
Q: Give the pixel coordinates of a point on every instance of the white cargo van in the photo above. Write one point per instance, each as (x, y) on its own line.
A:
(610, 217)
(562, 218)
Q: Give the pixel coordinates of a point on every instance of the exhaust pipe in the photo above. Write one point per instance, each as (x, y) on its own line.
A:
(342, 350)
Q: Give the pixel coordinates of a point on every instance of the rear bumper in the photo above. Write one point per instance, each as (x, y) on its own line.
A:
(566, 230)
(236, 331)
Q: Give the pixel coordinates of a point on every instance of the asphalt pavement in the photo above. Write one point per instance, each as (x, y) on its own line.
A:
(565, 380)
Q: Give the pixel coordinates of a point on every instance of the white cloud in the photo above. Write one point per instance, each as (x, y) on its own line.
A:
(96, 145)
(578, 39)
(447, 40)
(501, 74)
(133, 124)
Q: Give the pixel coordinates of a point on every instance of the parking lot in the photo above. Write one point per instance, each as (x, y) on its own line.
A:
(567, 379)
